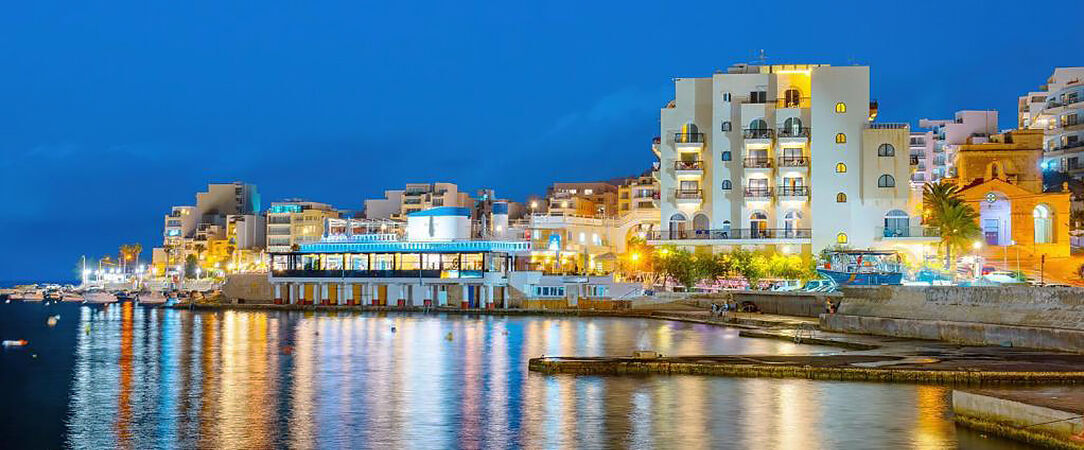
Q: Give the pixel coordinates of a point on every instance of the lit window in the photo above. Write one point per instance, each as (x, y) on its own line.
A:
(886, 181)
(841, 168)
(886, 150)
(841, 238)
(726, 156)
(727, 185)
(841, 107)
(841, 138)
(841, 198)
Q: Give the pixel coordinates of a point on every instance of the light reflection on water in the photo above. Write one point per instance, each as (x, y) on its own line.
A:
(152, 378)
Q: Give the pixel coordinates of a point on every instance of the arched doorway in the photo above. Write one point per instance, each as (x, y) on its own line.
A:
(791, 98)
(758, 225)
(1044, 224)
(792, 127)
(701, 224)
(995, 218)
(790, 223)
(677, 226)
(726, 229)
(897, 224)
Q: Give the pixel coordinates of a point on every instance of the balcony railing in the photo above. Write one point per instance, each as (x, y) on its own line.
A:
(801, 102)
(793, 161)
(688, 165)
(689, 138)
(800, 132)
(758, 192)
(688, 194)
(757, 133)
(906, 232)
(757, 162)
(731, 234)
(792, 191)
(888, 126)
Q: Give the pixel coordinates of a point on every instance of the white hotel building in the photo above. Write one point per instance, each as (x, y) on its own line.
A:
(1058, 109)
(782, 157)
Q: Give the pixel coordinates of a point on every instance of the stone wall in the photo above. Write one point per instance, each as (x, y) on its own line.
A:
(248, 288)
(804, 304)
(1018, 316)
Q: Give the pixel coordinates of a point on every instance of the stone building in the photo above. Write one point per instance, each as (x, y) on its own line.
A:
(1003, 181)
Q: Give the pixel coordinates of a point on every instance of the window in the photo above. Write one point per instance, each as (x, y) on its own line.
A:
(886, 150)
(726, 126)
(596, 290)
(841, 138)
(758, 97)
(549, 291)
(841, 108)
(1044, 224)
(841, 238)
(897, 224)
(726, 156)
(727, 185)
(841, 198)
(886, 181)
(758, 124)
(726, 96)
(841, 168)
(791, 98)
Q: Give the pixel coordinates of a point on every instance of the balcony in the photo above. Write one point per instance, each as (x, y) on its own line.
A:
(688, 196)
(793, 193)
(689, 141)
(758, 192)
(693, 168)
(908, 233)
(793, 161)
(755, 162)
(757, 133)
(655, 147)
(801, 102)
(732, 234)
(793, 133)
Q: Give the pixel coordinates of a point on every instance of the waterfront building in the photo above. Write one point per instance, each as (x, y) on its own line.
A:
(1002, 180)
(638, 194)
(781, 157)
(213, 207)
(397, 204)
(938, 145)
(1057, 108)
(572, 243)
(593, 199)
(435, 262)
(293, 222)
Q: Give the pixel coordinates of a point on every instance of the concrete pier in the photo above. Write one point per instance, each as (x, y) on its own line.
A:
(1049, 416)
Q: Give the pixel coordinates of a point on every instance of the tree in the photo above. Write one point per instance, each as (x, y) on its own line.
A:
(945, 210)
(749, 265)
(679, 265)
(712, 267)
(129, 253)
(191, 263)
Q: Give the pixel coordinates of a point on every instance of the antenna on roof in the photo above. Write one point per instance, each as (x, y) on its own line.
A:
(762, 58)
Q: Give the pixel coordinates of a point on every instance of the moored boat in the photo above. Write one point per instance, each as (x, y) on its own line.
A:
(863, 267)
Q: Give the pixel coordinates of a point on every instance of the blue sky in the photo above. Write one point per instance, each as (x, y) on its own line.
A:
(111, 112)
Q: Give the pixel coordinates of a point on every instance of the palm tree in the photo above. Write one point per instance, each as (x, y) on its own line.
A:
(945, 210)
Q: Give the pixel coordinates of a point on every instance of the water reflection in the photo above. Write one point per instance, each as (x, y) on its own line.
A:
(149, 378)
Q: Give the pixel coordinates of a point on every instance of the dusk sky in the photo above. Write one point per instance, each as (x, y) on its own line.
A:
(114, 111)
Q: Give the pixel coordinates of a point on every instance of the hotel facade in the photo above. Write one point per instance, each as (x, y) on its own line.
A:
(782, 157)
(1058, 109)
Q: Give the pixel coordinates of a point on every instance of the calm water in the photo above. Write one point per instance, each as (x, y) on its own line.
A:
(126, 376)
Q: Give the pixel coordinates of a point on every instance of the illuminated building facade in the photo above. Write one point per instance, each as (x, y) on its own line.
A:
(1058, 109)
(294, 222)
(397, 204)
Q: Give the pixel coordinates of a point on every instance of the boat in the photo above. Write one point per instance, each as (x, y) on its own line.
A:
(151, 297)
(125, 296)
(863, 267)
(98, 296)
(72, 296)
(52, 294)
(30, 295)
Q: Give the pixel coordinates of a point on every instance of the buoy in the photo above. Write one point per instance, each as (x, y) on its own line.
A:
(34, 355)
(17, 343)
(52, 320)
(448, 336)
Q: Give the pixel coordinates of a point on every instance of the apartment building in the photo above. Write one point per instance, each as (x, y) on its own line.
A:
(213, 207)
(1058, 109)
(638, 194)
(414, 197)
(781, 157)
(294, 222)
(922, 153)
(945, 137)
(582, 199)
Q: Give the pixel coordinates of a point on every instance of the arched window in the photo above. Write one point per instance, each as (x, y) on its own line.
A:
(790, 222)
(841, 238)
(1044, 224)
(758, 124)
(841, 168)
(726, 225)
(791, 98)
(994, 170)
(677, 226)
(727, 185)
(792, 127)
(689, 128)
(701, 223)
(841, 198)
(758, 224)
(886, 181)
(841, 138)
(726, 155)
(689, 133)
(726, 126)
(841, 108)
(886, 150)
(897, 224)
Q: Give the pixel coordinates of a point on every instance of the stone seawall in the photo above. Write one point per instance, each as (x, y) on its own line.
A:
(1020, 316)
(1033, 424)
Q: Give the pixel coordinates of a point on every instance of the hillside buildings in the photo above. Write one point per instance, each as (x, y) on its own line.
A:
(1057, 108)
(397, 204)
(582, 199)
(783, 157)
(202, 229)
(933, 152)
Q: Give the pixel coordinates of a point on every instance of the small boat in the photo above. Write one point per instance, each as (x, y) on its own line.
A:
(71, 296)
(31, 295)
(151, 297)
(125, 296)
(53, 294)
(14, 343)
(863, 267)
(98, 296)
